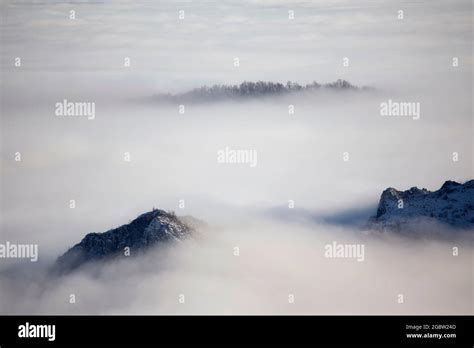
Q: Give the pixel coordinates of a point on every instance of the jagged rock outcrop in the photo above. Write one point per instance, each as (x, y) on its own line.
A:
(148, 229)
(452, 205)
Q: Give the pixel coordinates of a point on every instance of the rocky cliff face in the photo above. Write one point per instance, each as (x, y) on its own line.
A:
(148, 229)
(452, 205)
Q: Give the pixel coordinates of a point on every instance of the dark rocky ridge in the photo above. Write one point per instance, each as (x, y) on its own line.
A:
(452, 205)
(148, 229)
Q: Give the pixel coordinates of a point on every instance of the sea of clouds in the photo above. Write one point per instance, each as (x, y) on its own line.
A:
(174, 156)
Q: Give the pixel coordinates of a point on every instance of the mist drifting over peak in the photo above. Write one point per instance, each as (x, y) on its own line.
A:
(284, 175)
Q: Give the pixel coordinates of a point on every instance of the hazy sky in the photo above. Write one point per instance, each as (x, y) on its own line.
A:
(173, 156)
(171, 54)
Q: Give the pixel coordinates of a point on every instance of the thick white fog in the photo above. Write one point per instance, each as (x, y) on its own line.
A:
(173, 156)
(276, 262)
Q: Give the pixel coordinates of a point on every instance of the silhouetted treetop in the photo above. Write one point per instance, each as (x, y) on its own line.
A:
(253, 89)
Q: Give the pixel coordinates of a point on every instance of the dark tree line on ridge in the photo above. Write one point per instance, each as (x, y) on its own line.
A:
(252, 89)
